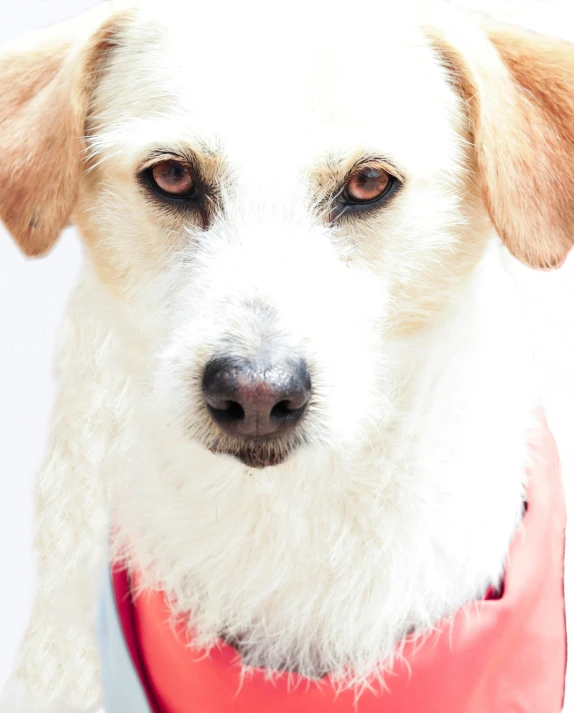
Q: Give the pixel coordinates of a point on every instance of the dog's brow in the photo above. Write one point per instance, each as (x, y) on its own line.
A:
(345, 165)
(160, 153)
(149, 136)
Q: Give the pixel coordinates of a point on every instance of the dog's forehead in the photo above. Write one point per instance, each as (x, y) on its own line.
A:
(298, 83)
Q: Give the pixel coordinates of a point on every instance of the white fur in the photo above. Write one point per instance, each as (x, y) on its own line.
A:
(329, 559)
(402, 503)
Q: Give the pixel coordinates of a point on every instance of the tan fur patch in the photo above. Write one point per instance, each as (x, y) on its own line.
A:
(520, 102)
(45, 92)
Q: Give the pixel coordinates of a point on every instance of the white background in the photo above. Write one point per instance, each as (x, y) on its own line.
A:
(33, 295)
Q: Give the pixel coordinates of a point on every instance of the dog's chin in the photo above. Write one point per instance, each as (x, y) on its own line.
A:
(256, 455)
(256, 460)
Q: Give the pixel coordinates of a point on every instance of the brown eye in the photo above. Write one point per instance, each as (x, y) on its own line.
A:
(173, 178)
(367, 184)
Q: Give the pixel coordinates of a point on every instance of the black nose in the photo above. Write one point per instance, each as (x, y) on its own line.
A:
(256, 398)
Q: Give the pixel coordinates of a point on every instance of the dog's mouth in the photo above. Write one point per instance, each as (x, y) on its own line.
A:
(257, 454)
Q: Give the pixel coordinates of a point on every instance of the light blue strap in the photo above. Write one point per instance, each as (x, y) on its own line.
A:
(122, 689)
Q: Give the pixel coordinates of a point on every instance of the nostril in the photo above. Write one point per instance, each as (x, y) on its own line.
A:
(235, 411)
(229, 411)
(281, 410)
(285, 409)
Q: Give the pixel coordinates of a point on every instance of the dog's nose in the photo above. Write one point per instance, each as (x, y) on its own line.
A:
(256, 398)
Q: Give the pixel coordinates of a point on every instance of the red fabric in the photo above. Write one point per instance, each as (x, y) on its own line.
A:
(126, 613)
(505, 655)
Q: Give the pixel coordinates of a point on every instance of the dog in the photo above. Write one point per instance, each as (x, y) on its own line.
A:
(295, 380)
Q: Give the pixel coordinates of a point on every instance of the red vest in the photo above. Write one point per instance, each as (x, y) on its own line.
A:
(505, 655)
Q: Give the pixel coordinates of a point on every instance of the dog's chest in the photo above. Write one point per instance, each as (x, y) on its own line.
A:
(448, 671)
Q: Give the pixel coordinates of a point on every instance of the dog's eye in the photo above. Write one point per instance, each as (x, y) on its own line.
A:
(173, 178)
(367, 185)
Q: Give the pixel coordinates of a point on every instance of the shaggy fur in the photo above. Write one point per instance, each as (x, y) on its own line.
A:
(404, 483)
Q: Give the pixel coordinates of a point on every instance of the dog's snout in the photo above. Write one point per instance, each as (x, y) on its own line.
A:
(256, 398)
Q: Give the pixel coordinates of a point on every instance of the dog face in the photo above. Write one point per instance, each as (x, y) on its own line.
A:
(279, 221)
(275, 225)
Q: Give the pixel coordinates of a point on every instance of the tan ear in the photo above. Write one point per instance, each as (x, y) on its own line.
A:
(45, 88)
(518, 88)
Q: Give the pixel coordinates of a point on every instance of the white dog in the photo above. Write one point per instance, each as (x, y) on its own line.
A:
(294, 374)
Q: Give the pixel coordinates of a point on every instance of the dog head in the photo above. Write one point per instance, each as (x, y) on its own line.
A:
(274, 198)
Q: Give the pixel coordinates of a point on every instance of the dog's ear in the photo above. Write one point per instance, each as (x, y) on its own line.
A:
(45, 89)
(518, 88)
